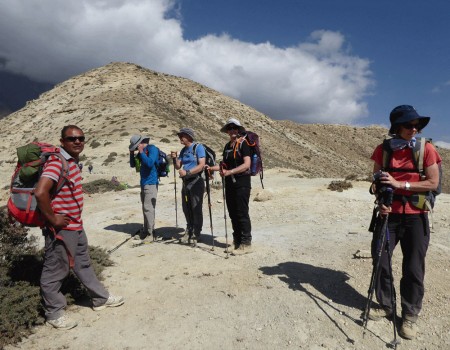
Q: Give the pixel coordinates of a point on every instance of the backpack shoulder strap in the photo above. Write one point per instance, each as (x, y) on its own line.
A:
(194, 150)
(238, 144)
(418, 152)
(387, 154)
(64, 177)
(420, 167)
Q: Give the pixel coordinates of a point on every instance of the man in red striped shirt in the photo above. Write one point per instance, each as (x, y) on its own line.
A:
(66, 243)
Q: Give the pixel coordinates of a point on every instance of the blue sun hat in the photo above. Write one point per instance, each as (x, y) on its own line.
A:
(404, 114)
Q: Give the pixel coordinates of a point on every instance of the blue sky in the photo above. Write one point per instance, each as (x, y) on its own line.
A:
(323, 61)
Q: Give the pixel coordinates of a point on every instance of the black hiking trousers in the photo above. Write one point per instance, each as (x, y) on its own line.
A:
(192, 204)
(237, 199)
(413, 233)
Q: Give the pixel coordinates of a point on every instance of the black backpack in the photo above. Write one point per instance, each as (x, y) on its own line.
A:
(162, 164)
(210, 155)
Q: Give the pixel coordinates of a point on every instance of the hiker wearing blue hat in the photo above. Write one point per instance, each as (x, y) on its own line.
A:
(145, 162)
(190, 164)
(408, 169)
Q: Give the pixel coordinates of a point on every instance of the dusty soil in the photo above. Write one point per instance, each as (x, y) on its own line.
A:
(303, 287)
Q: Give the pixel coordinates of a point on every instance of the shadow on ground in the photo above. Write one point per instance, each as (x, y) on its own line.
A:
(330, 283)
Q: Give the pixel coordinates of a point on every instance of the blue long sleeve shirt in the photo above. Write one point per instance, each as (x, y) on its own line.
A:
(148, 171)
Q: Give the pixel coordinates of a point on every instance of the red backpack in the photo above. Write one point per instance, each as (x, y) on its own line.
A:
(31, 158)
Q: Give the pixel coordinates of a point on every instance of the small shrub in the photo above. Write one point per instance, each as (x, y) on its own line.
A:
(20, 269)
(351, 177)
(339, 186)
(125, 133)
(164, 140)
(199, 110)
(111, 158)
(162, 126)
(102, 186)
(95, 144)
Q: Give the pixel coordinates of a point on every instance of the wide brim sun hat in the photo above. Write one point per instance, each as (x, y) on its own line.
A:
(187, 131)
(233, 121)
(135, 140)
(404, 114)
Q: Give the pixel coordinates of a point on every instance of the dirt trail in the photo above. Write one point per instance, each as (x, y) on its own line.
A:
(301, 288)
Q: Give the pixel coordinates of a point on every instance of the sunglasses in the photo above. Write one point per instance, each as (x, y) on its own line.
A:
(410, 126)
(232, 127)
(74, 138)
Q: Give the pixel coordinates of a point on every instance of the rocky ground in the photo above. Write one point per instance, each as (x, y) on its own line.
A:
(303, 287)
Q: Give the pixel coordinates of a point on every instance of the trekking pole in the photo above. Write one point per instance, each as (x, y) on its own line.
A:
(383, 244)
(175, 189)
(208, 191)
(393, 296)
(222, 166)
(121, 243)
(375, 270)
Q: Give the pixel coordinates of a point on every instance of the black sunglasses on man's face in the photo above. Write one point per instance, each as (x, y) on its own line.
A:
(74, 138)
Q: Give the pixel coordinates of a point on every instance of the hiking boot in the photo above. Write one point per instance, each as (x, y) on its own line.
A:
(112, 301)
(379, 313)
(243, 249)
(186, 238)
(62, 323)
(231, 247)
(408, 330)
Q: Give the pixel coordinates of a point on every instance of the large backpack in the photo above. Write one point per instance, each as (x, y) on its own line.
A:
(162, 166)
(31, 158)
(421, 200)
(256, 166)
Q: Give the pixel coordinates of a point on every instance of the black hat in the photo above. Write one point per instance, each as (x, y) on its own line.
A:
(404, 114)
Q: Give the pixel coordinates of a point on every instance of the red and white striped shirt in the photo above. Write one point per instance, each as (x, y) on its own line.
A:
(69, 200)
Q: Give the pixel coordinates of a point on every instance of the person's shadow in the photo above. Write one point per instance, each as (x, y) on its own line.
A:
(330, 284)
(130, 227)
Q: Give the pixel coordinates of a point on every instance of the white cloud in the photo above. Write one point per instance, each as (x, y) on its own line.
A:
(316, 81)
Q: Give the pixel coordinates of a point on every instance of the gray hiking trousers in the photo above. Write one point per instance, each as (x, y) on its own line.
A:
(69, 250)
(148, 199)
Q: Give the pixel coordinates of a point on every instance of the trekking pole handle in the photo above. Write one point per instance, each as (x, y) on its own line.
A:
(224, 166)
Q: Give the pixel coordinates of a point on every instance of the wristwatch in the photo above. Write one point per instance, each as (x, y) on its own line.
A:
(407, 185)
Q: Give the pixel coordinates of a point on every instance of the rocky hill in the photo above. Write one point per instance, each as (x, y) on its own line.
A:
(113, 102)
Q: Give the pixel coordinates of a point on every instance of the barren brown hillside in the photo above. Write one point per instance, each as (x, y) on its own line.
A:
(112, 102)
(305, 284)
